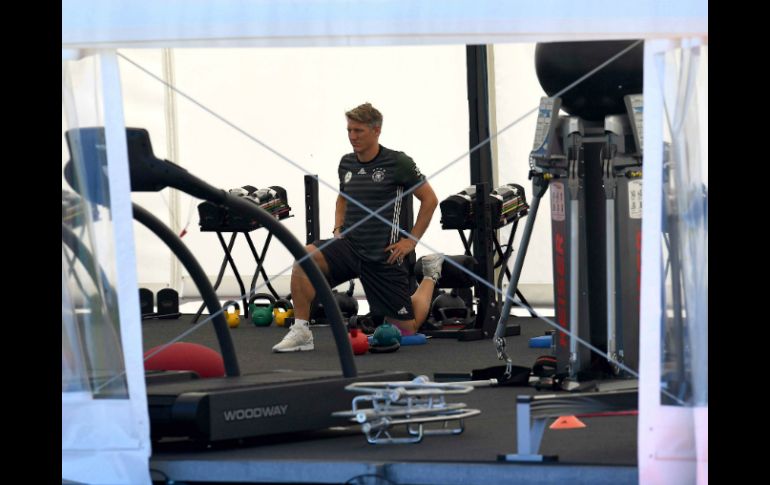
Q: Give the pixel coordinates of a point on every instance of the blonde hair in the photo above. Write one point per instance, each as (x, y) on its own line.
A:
(365, 113)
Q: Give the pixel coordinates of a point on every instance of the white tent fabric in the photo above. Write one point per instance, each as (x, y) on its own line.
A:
(272, 95)
(90, 26)
(107, 440)
(673, 437)
(185, 23)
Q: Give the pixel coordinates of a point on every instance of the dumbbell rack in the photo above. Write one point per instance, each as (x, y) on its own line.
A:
(259, 258)
(483, 233)
(503, 256)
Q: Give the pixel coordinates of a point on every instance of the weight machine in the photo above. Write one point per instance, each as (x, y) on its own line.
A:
(568, 153)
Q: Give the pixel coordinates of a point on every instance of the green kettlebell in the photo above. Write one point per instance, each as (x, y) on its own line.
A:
(386, 335)
(262, 312)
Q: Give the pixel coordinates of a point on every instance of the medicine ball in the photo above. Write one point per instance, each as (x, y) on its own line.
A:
(559, 64)
(202, 360)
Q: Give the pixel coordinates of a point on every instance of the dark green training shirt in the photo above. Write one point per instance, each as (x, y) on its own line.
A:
(374, 184)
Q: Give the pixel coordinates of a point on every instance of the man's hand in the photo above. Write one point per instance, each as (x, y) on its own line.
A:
(399, 250)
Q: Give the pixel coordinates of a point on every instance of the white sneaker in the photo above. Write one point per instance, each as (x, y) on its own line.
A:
(298, 339)
(431, 266)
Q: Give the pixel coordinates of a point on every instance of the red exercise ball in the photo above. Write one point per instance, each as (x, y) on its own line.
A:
(186, 356)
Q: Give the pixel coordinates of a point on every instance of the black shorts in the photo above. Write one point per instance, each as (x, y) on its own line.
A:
(386, 285)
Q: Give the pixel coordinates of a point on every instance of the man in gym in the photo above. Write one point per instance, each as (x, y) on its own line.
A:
(373, 251)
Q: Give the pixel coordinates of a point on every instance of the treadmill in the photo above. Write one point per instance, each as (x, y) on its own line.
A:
(235, 406)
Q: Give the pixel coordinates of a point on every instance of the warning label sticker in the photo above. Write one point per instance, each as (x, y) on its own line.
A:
(557, 201)
(635, 199)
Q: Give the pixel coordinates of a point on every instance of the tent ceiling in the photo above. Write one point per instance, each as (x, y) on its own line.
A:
(198, 23)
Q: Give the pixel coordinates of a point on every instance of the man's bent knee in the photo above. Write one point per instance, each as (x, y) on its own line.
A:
(317, 256)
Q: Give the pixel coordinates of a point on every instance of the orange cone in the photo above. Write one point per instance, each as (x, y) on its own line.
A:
(567, 422)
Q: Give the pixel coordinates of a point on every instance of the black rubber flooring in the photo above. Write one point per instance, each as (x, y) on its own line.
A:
(607, 441)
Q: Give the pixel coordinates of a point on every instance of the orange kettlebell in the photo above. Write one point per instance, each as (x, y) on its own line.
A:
(282, 310)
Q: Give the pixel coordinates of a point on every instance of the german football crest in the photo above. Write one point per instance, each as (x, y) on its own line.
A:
(379, 175)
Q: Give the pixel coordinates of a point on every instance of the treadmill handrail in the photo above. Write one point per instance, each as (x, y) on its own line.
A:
(198, 275)
(151, 174)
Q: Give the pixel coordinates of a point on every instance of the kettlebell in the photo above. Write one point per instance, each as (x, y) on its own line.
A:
(261, 313)
(282, 310)
(347, 304)
(359, 341)
(386, 335)
(386, 338)
(232, 313)
(365, 323)
(451, 309)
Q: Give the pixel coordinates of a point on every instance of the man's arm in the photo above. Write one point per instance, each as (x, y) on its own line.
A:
(339, 214)
(428, 203)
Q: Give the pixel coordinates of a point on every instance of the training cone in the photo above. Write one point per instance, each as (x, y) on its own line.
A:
(567, 422)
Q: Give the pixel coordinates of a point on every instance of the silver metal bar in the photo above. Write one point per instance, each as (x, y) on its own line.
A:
(612, 351)
(523, 436)
(573, 287)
